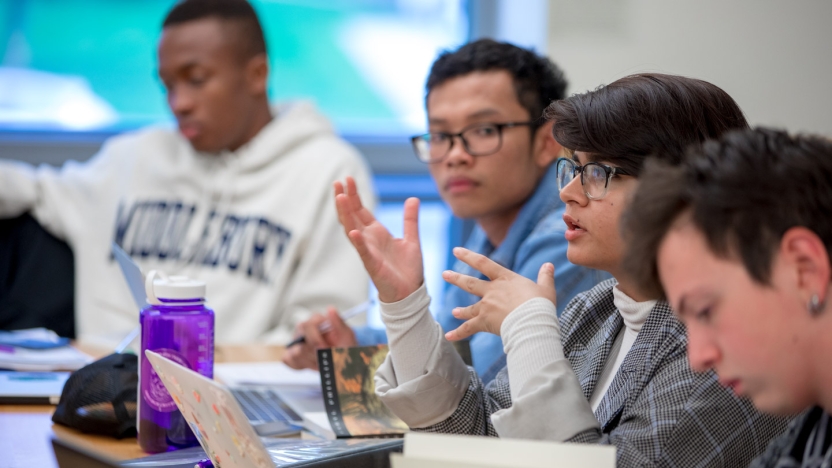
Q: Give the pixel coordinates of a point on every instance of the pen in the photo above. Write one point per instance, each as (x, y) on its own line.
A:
(345, 315)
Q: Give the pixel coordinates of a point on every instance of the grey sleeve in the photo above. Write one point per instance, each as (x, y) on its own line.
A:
(554, 410)
(423, 378)
(446, 398)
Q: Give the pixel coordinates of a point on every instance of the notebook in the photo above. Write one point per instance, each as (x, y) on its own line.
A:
(230, 441)
(31, 388)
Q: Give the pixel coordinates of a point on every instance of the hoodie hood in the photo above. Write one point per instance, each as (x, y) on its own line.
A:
(294, 124)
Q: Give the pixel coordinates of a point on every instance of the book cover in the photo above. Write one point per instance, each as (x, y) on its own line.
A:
(352, 406)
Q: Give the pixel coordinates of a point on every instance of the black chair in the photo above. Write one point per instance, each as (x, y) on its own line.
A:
(37, 278)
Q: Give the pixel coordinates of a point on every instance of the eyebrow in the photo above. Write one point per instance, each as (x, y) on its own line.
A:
(183, 68)
(476, 115)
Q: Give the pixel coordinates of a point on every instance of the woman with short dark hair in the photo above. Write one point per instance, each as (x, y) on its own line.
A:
(614, 369)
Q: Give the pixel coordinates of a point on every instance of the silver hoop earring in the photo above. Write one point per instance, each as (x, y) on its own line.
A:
(815, 305)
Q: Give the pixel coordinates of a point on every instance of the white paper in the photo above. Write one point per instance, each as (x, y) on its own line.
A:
(318, 422)
(265, 373)
(397, 460)
(53, 359)
(488, 451)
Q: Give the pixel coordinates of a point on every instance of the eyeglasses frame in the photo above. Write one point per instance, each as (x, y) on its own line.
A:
(610, 171)
(454, 136)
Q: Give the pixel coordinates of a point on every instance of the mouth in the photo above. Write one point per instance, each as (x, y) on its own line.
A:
(573, 228)
(189, 130)
(460, 185)
(735, 385)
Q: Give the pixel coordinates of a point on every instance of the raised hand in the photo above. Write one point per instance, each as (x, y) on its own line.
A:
(505, 292)
(394, 265)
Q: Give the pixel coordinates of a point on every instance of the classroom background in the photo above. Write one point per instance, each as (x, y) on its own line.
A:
(75, 72)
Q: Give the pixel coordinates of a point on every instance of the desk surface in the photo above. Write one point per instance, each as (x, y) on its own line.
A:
(26, 430)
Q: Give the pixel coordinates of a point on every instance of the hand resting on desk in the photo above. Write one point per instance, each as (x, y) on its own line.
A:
(304, 355)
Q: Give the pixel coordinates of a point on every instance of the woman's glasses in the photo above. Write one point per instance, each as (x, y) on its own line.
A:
(595, 177)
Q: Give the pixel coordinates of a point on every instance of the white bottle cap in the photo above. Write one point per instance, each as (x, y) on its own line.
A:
(161, 286)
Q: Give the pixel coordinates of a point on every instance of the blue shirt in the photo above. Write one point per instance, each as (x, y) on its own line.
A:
(535, 237)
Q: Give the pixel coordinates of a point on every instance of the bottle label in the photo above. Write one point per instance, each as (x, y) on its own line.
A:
(155, 393)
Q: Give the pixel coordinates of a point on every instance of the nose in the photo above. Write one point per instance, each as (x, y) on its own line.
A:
(703, 354)
(180, 101)
(574, 192)
(457, 155)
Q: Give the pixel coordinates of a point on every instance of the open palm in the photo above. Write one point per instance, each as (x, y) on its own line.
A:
(394, 265)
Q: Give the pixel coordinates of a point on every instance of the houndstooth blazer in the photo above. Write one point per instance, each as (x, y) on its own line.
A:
(657, 411)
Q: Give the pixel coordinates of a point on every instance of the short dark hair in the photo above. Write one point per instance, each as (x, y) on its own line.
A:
(249, 32)
(647, 114)
(743, 192)
(537, 81)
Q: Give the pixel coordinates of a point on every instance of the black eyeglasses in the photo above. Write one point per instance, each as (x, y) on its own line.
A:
(479, 139)
(595, 177)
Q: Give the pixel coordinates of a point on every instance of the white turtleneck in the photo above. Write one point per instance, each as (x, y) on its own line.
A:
(634, 315)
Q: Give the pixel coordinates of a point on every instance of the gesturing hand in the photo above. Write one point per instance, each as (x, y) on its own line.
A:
(505, 292)
(394, 265)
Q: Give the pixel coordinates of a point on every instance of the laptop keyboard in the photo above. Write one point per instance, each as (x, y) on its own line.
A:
(263, 405)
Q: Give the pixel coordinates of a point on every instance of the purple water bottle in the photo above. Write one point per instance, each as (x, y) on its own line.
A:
(177, 325)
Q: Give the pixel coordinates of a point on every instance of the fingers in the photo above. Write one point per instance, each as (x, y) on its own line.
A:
(466, 313)
(463, 331)
(311, 330)
(339, 334)
(305, 355)
(345, 217)
(411, 220)
(362, 214)
(333, 321)
(481, 263)
(466, 283)
(370, 261)
(546, 275)
(301, 356)
(546, 280)
(351, 213)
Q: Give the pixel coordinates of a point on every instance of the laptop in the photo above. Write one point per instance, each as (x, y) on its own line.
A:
(264, 405)
(220, 425)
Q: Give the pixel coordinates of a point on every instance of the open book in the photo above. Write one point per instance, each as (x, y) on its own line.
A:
(423, 450)
(349, 390)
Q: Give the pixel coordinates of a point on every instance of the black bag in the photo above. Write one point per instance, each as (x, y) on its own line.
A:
(100, 398)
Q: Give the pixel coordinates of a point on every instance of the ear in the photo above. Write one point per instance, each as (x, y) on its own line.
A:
(257, 74)
(806, 255)
(544, 146)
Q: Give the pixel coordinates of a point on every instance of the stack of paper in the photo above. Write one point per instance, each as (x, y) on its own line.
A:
(423, 450)
(39, 349)
(265, 373)
(65, 358)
